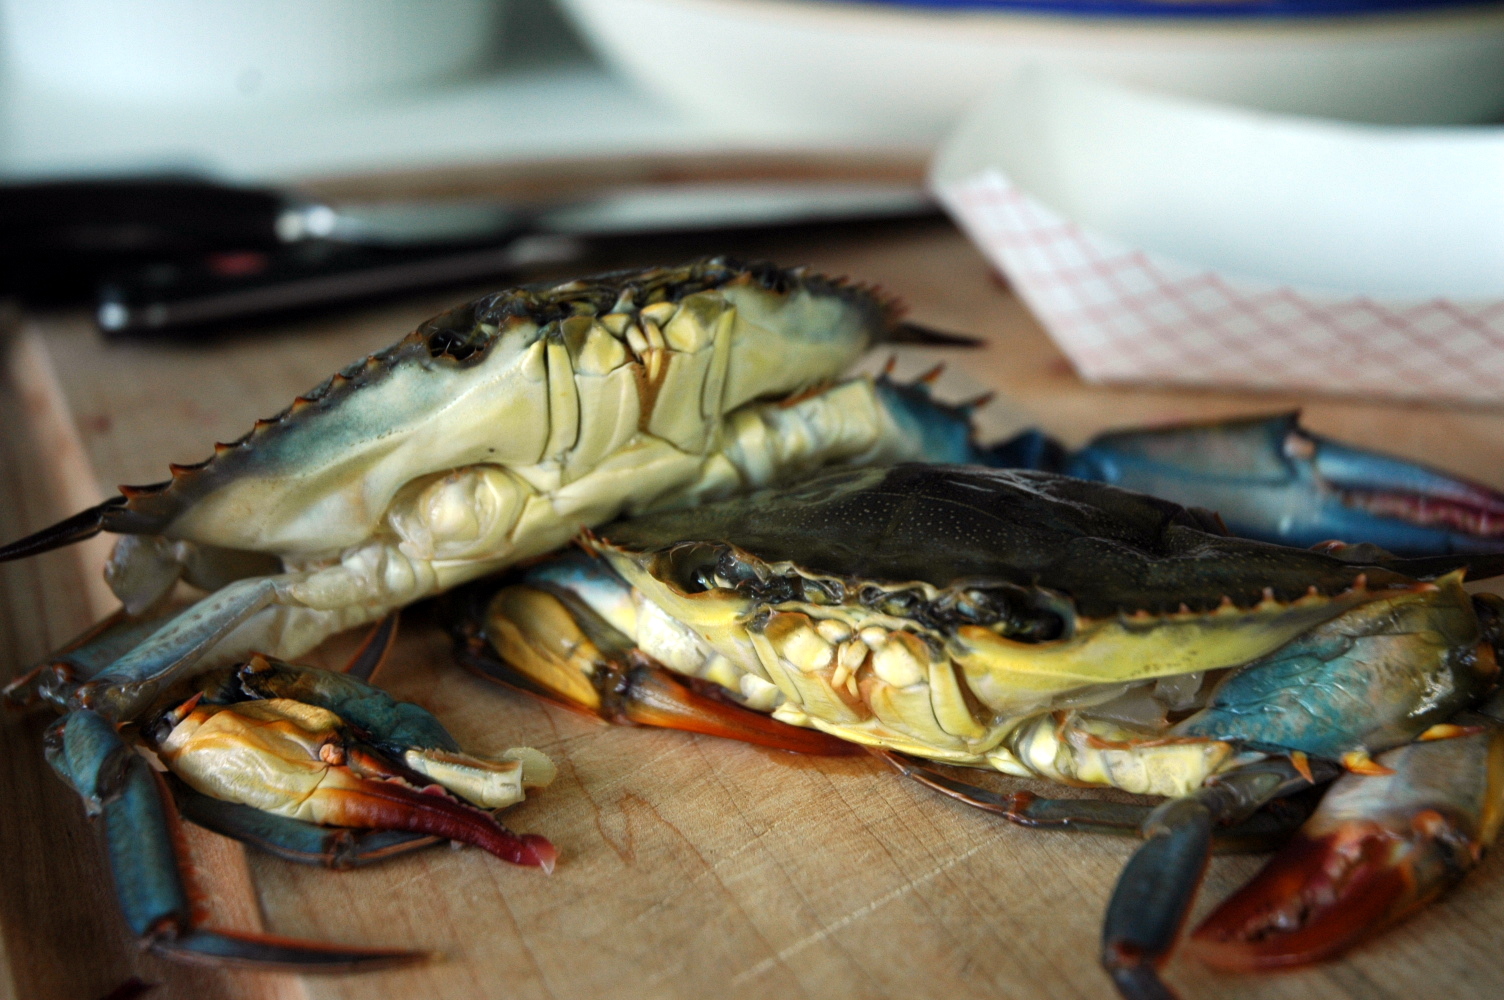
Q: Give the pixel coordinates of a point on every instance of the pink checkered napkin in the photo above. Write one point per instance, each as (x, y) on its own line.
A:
(1127, 315)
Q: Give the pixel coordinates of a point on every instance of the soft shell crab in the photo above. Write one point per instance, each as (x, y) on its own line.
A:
(491, 434)
(1044, 626)
(314, 765)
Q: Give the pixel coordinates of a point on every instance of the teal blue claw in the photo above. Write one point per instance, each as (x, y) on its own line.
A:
(295, 840)
(1158, 885)
(1347, 689)
(120, 789)
(386, 723)
(1272, 480)
(944, 431)
(134, 681)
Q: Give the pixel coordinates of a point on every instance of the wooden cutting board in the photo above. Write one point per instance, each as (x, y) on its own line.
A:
(690, 866)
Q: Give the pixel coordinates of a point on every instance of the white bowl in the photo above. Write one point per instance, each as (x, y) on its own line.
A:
(889, 74)
(1162, 239)
(226, 52)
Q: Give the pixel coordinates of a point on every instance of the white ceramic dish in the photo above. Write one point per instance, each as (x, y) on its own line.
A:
(883, 73)
(230, 52)
(1167, 240)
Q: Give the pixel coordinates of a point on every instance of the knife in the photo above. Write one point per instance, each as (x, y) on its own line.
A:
(343, 254)
(188, 255)
(58, 238)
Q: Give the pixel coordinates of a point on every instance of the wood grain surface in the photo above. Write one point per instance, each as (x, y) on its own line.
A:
(690, 866)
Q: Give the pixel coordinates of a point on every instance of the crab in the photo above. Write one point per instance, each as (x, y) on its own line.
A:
(315, 765)
(491, 435)
(1043, 626)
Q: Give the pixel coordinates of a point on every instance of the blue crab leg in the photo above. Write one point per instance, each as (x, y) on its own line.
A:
(295, 840)
(1265, 829)
(1374, 679)
(373, 652)
(945, 431)
(132, 682)
(101, 644)
(1272, 480)
(119, 786)
(1159, 883)
(555, 647)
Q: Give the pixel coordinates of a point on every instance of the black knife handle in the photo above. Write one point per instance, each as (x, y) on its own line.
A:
(57, 238)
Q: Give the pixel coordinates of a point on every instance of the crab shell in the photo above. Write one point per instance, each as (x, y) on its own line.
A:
(496, 431)
(1040, 625)
(560, 376)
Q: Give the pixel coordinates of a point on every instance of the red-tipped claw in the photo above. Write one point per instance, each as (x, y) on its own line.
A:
(1314, 900)
(291, 759)
(1378, 848)
(375, 804)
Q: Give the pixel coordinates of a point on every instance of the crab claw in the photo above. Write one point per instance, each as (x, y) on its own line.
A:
(296, 760)
(1271, 479)
(142, 839)
(1378, 848)
(1319, 897)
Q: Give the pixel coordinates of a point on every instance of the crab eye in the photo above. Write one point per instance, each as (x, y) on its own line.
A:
(1046, 627)
(692, 567)
(972, 606)
(734, 572)
(452, 343)
(900, 603)
(980, 606)
(822, 591)
(457, 334)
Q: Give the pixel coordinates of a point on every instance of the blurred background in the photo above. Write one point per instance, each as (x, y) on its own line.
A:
(478, 122)
(284, 90)
(281, 90)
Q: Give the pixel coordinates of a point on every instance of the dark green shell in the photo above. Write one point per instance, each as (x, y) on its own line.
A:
(1108, 549)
